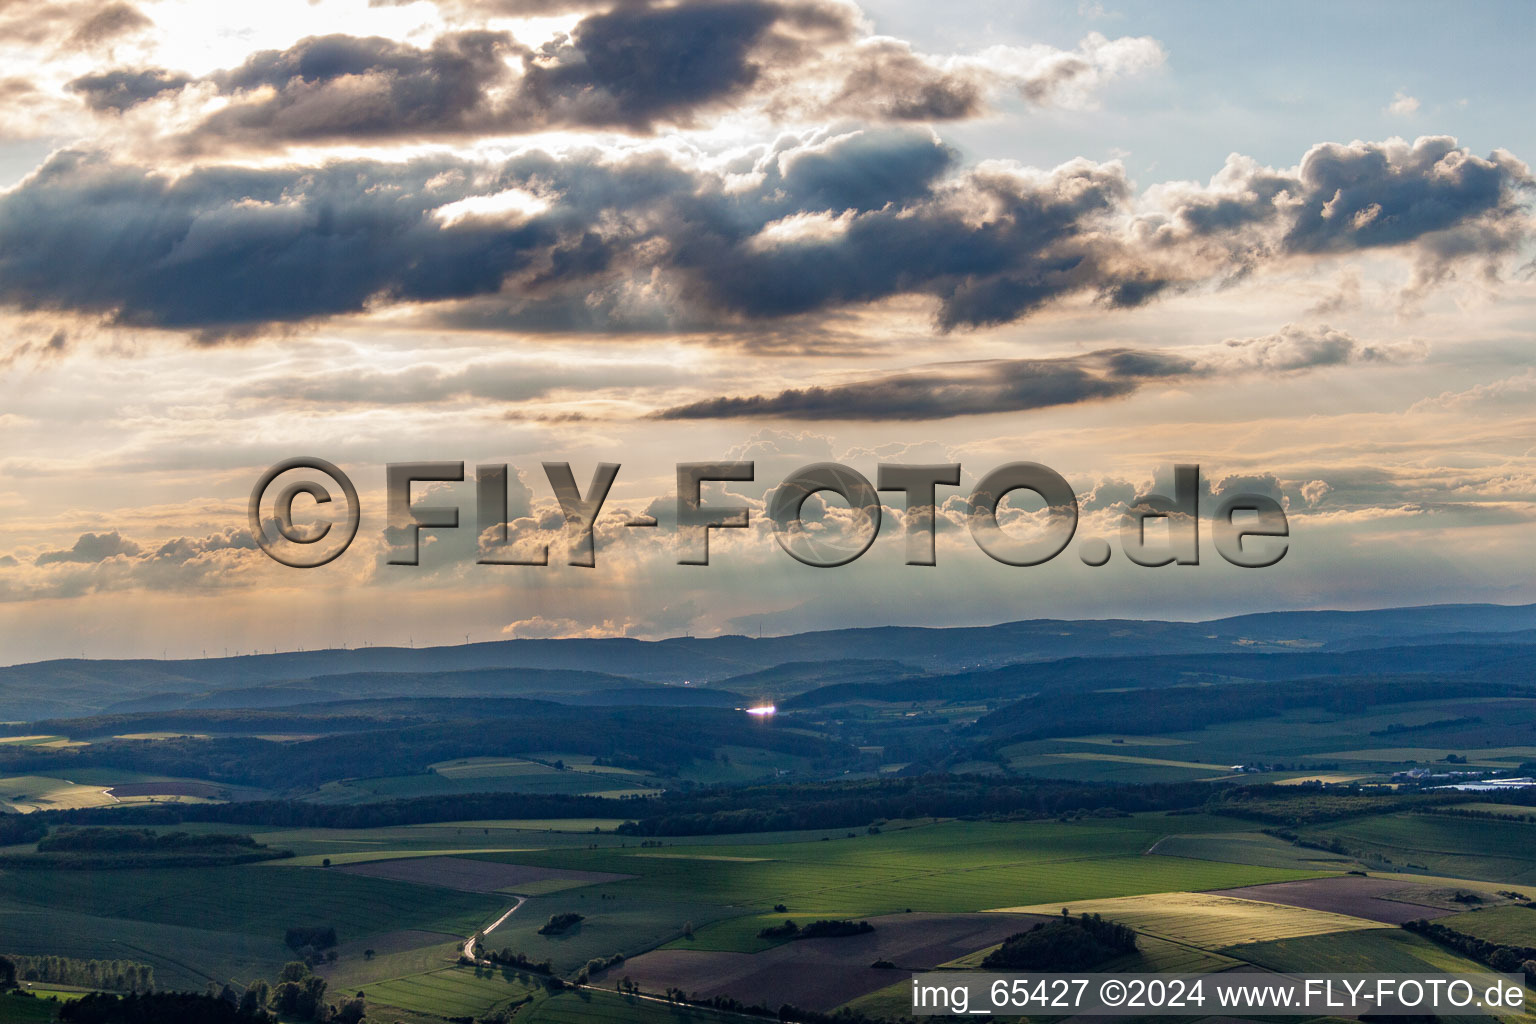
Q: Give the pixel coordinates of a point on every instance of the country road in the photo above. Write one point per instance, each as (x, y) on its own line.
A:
(469, 942)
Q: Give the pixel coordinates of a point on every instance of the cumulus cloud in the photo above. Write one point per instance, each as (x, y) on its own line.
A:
(1403, 104)
(109, 561)
(1302, 348)
(91, 547)
(815, 223)
(633, 67)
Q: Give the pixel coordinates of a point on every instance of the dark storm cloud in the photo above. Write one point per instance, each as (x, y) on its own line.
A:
(1019, 385)
(343, 86)
(641, 242)
(228, 248)
(624, 68)
(1364, 195)
(634, 67)
(126, 87)
(965, 389)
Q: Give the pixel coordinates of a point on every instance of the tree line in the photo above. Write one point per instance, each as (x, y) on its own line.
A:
(118, 975)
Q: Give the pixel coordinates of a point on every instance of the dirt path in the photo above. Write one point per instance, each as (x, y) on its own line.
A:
(469, 942)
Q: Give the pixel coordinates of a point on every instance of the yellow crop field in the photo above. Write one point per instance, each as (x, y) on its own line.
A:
(44, 793)
(1330, 778)
(1208, 921)
(1128, 741)
(1133, 759)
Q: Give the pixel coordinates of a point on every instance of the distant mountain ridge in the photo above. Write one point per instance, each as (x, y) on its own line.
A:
(581, 670)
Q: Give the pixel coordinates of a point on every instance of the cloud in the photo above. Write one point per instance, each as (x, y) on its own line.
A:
(634, 67)
(944, 391)
(123, 88)
(1303, 348)
(70, 24)
(495, 380)
(340, 86)
(100, 562)
(107, 22)
(38, 352)
(1510, 389)
(1018, 385)
(816, 223)
(91, 547)
(1402, 104)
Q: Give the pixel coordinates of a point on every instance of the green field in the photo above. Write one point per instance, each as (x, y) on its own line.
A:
(1253, 848)
(542, 780)
(252, 901)
(1496, 851)
(1508, 926)
(593, 1007)
(968, 866)
(455, 991)
(18, 1010)
(1387, 950)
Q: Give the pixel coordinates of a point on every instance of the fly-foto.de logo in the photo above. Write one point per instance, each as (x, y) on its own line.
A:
(1248, 530)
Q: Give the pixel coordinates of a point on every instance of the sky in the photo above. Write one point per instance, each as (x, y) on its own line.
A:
(1290, 244)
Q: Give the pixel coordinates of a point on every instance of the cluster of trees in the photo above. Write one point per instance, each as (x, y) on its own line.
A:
(316, 936)
(1069, 944)
(1496, 955)
(505, 957)
(559, 924)
(1445, 723)
(1467, 812)
(824, 929)
(109, 848)
(813, 805)
(157, 1008)
(118, 975)
(16, 829)
(299, 995)
(1274, 806)
(123, 840)
(381, 814)
(596, 964)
